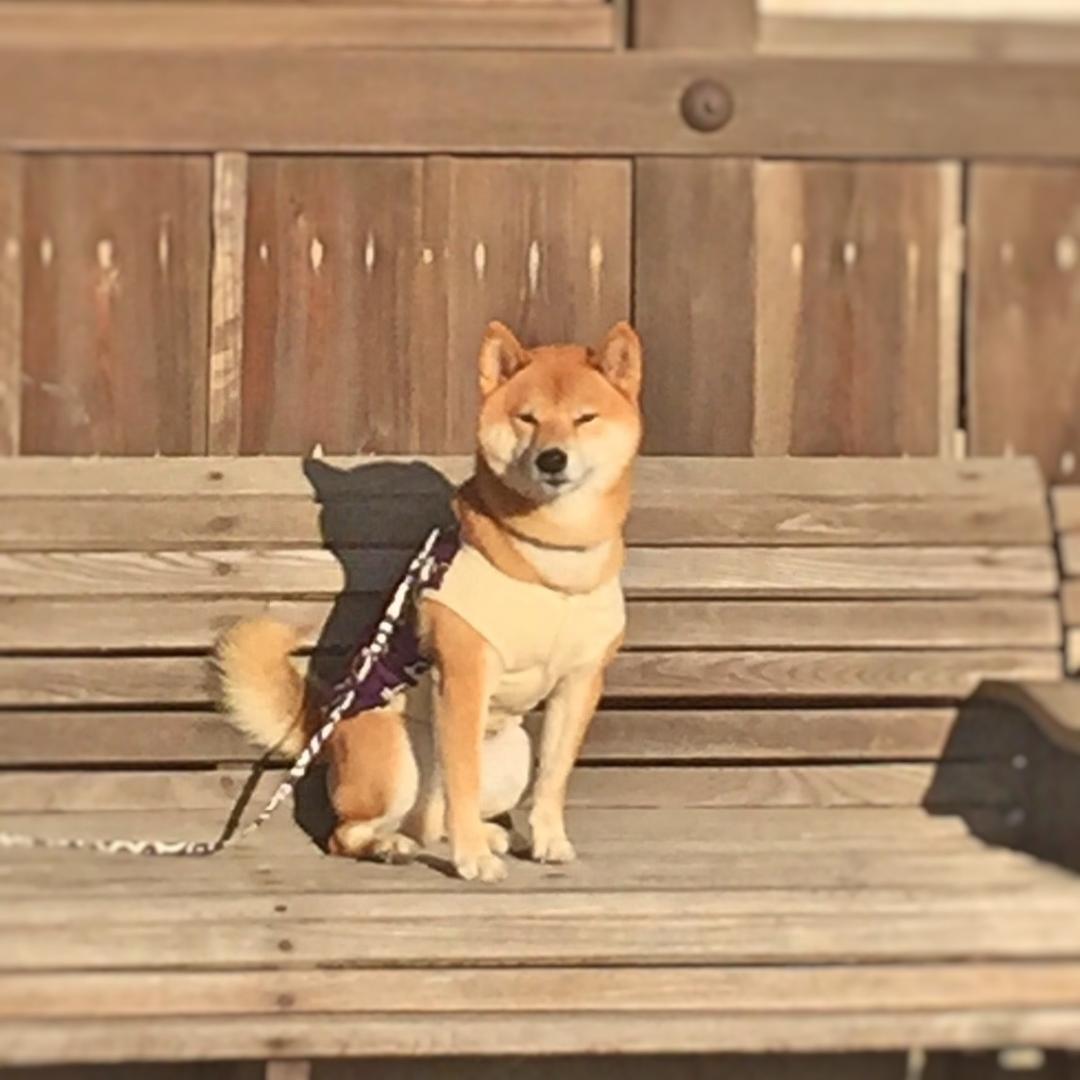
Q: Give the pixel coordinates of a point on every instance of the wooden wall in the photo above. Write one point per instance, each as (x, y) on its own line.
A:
(160, 304)
(196, 302)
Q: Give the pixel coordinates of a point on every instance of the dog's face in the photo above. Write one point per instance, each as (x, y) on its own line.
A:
(561, 418)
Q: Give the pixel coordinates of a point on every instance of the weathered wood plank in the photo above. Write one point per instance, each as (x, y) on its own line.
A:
(1024, 304)
(542, 245)
(658, 850)
(650, 572)
(161, 624)
(116, 266)
(862, 1028)
(730, 25)
(275, 100)
(661, 989)
(863, 675)
(1066, 501)
(884, 785)
(360, 517)
(1070, 601)
(11, 301)
(227, 303)
(1013, 478)
(1072, 651)
(1070, 554)
(148, 737)
(850, 353)
(694, 302)
(455, 902)
(255, 26)
(340, 237)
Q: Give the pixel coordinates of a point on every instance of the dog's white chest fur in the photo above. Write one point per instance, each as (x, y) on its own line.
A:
(566, 568)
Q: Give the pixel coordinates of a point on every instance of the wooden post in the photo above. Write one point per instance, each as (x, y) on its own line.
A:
(10, 302)
(288, 1070)
(227, 304)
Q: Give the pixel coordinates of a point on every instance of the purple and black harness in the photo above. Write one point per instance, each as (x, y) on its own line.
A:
(389, 662)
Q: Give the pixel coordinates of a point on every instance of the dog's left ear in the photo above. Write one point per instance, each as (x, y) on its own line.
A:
(618, 359)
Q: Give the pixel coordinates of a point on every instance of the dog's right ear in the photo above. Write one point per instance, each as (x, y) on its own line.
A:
(501, 357)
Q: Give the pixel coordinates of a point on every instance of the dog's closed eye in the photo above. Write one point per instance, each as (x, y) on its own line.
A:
(584, 418)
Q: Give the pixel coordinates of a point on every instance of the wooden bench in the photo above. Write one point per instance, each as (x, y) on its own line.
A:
(805, 813)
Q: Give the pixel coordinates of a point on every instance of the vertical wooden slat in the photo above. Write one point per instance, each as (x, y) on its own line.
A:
(11, 170)
(115, 326)
(1024, 314)
(369, 282)
(850, 299)
(334, 258)
(694, 302)
(543, 246)
(227, 303)
(730, 25)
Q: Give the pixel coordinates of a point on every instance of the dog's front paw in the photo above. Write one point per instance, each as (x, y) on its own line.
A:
(497, 837)
(549, 841)
(484, 866)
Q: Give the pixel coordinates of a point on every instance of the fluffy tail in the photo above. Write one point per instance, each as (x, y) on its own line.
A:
(261, 688)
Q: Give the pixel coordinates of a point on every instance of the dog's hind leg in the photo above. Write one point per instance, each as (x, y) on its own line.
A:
(373, 786)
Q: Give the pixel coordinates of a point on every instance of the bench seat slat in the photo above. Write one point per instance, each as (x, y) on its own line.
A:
(775, 674)
(825, 571)
(765, 990)
(148, 737)
(894, 784)
(164, 624)
(659, 517)
(700, 1030)
(264, 475)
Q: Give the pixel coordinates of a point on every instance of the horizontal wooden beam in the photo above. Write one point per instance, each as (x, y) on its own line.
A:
(530, 103)
(192, 24)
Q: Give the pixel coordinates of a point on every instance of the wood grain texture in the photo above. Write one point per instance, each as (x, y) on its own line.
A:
(1012, 479)
(158, 624)
(152, 737)
(542, 245)
(1070, 602)
(661, 989)
(862, 1028)
(227, 303)
(857, 308)
(1066, 503)
(726, 25)
(362, 510)
(274, 100)
(772, 675)
(672, 572)
(116, 265)
(918, 38)
(870, 784)
(11, 301)
(317, 26)
(1023, 369)
(322, 361)
(694, 303)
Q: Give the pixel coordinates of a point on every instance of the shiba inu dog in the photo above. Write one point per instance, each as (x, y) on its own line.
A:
(530, 610)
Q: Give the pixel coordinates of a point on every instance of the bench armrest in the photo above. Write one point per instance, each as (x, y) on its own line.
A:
(1054, 707)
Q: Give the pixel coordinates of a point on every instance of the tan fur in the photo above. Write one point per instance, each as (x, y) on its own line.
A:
(387, 781)
(262, 691)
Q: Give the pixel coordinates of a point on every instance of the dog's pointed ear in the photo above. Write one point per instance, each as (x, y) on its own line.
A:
(618, 359)
(501, 357)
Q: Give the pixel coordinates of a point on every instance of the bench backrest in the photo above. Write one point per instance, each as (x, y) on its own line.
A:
(807, 617)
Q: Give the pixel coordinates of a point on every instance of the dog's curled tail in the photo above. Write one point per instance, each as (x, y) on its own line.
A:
(262, 691)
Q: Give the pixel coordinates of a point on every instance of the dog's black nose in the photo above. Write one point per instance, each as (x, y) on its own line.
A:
(551, 461)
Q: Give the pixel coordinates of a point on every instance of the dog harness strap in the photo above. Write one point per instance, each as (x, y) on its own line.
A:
(383, 667)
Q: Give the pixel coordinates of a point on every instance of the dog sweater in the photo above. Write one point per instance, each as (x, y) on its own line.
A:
(540, 634)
